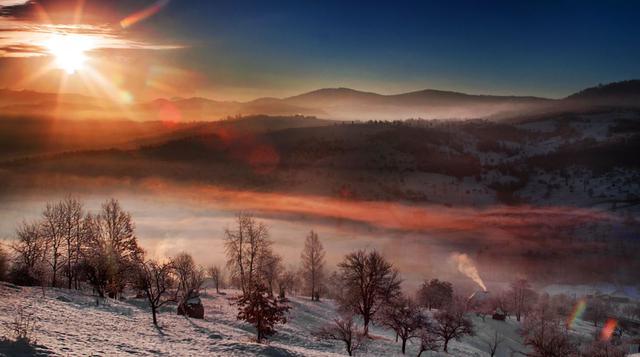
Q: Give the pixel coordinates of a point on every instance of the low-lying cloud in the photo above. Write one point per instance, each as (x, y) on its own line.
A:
(544, 243)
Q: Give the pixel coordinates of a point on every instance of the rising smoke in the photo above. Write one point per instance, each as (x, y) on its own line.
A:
(466, 267)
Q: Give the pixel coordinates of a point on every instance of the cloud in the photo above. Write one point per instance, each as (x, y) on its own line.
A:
(25, 27)
(20, 50)
(66, 11)
(25, 39)
(12, 3)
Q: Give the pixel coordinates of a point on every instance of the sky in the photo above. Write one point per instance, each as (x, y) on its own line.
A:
(247, 49)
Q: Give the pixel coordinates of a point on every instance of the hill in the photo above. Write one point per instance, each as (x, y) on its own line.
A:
(625, 93)
(539, 160)
(70, 323)
(29, 136)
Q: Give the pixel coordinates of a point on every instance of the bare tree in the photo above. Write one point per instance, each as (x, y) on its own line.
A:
(157, 281)
(270, 268)
(429, 341)
(262, 311)
(334, 286)
(494, 343)
(104, 246)
(52, 231)
(481, 306)
(29, 251)
(117, 233)
(522, 297)
(435, 294)
(215, 273)
(405, 318)
(344, 329)
(603, 349)
(313, 264)
(189, 278)
(96, 262)
(244, 248)
(369, 282)
(110, 252)
(562, 304)
(452, 323)
(287, 282)
(71, 225)
(546, 335)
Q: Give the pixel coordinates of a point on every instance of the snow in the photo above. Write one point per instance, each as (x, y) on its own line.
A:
(70, 323)
(630, 292)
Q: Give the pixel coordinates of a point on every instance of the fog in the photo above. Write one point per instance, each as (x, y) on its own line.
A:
(543, 244)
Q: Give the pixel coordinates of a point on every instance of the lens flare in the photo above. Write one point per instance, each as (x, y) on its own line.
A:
(608, 329)
(69, 51)
(577, 312)
(143, 14)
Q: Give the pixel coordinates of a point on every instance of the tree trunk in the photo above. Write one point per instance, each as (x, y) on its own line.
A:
(446, 345)
(404, 345)
(365, 319)
(69, 271)
(153, 312)
(55, 270)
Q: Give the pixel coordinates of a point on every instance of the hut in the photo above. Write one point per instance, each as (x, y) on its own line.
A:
(499, 315)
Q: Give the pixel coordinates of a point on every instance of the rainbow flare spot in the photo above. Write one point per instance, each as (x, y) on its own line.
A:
(143, 14)
(578, 310)
(608, 329)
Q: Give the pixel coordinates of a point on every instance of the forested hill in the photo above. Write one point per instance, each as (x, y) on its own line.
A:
(582, 159)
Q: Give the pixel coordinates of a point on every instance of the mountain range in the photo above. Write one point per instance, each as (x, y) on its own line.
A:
(329, 103)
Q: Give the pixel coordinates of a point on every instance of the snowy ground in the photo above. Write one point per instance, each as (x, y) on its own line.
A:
(70, 324)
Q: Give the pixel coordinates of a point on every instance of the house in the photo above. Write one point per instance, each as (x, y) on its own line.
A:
(499, 315)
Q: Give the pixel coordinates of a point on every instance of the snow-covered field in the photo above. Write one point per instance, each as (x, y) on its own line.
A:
(70, 323)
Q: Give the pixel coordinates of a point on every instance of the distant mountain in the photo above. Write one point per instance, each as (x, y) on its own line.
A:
(333, 96)
(14, 97)
(329, 103)
(345, 103)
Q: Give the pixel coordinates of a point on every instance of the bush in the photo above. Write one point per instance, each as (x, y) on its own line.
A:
(262, 311)
(23, 326)
(20, 275)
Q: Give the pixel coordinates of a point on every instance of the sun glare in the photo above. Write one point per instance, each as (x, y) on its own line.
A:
(69, 51)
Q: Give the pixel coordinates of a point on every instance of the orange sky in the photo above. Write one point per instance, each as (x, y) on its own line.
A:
(117, 62)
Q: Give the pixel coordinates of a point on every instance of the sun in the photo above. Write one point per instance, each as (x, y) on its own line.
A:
(69, 51)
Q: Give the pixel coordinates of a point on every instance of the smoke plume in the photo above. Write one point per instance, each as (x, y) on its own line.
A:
(466, 267)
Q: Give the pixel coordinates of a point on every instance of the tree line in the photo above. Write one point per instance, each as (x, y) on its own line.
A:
(70, 247)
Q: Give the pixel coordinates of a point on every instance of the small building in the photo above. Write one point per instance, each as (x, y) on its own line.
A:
(499, 315)
(192, 308)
